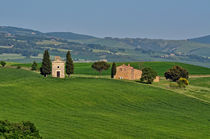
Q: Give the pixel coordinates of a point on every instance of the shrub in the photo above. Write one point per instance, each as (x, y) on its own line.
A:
(26, 130)
(182, 82)
(3, 63)
(34, 66)
(148, 75)
(18, 67)
(175, 73)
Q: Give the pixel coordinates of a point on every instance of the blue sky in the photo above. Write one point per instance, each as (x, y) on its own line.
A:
(166, 19)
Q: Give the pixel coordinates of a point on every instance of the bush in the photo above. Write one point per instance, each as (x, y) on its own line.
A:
(176, 73)
(182, 82)
(18, 67)
(3, 63)
(148, 75)
(34, 66)
(26, 130)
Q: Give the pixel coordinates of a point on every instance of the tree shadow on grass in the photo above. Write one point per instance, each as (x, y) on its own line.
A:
(140, 82)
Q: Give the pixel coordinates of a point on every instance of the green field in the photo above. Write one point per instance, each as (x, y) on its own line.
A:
(202, 82)
(100, 108)
(159, 67)
(7, 56)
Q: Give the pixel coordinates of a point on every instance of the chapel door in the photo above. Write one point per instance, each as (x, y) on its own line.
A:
(58, 74)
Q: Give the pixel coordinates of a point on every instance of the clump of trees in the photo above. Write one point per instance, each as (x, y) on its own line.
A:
(46, 66)
(23, 130)
(179, 76)
(148, 75)
(3, 63)
(34, 66)
(100, 66)
(114, 70)
(175, 73)
(69, 64)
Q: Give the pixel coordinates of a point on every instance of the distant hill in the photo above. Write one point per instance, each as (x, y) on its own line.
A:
(18, 31)
(204, 39)
(69, 35)
(26, 45)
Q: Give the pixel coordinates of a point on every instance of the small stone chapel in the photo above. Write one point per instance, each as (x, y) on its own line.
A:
(58, 68)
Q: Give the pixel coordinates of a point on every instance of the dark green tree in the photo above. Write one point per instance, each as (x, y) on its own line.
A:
(100, 66)
(34, 66)
(46, 64)
(69, 64)
(113, 71)
(175, 73)
(3, 63)
(23, 130)
(148, 75)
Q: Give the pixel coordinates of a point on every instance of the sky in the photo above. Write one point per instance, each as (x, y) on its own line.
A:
(158, 19)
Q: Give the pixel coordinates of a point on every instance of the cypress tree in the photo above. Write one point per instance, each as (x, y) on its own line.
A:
(113, 72)
(34, 66)
(69, 64)
(46, 64)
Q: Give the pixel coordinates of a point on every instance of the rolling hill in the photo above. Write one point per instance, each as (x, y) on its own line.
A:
(100, 108)
(204, 39)
(159, 67)
(25, 45)
(69, 36)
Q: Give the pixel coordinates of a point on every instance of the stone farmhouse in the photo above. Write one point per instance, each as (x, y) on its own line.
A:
(129, 73)
(58, 68)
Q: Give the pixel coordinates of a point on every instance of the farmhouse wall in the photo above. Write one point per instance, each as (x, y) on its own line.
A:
(157, 79)
(127, 72)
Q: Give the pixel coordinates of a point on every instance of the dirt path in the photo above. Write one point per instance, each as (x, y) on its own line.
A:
(199, 76)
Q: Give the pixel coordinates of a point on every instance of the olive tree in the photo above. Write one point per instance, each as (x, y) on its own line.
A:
(100, 66)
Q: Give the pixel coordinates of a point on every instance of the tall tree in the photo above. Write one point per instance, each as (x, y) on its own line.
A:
(100, 66)
(46, 64)
(34, 66)
(113, 72)
(69, 64)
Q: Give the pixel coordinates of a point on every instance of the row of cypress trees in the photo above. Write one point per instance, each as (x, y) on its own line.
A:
(46, 66)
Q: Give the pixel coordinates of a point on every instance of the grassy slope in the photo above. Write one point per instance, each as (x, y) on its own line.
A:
(159, 67)
(100, 108)
(199, 88)
(202, 82)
